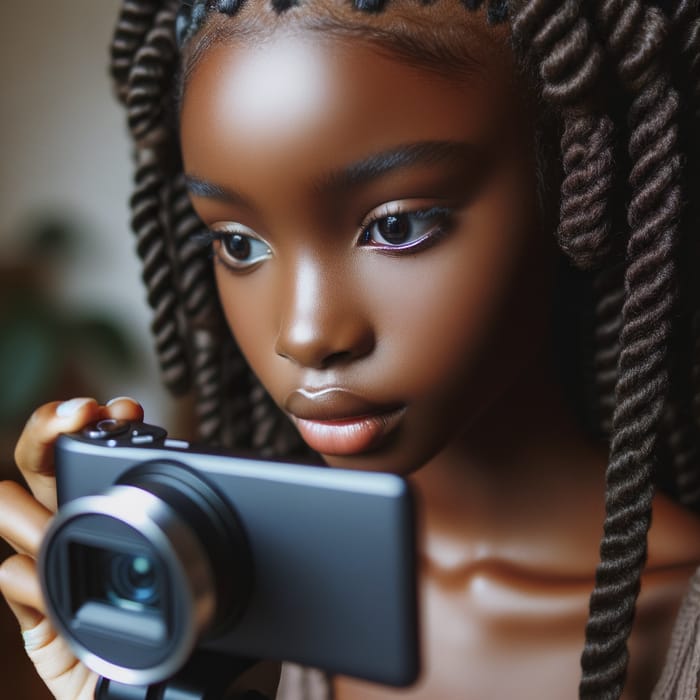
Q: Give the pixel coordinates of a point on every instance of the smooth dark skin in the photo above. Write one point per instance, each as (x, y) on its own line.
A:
(454, 334)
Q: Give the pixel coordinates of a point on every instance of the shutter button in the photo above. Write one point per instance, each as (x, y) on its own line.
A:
(107, 428)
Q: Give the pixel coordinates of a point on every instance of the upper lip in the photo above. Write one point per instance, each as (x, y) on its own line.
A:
(331, 403)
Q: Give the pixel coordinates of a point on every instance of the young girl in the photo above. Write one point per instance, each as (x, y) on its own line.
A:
(452, 240)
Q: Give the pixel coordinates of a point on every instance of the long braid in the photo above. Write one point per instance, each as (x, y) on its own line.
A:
(570, 63)
(571, 58)
(609, 293)
(641, 383)
(236, 412)
(690, 49)
(634, 35)
(158, 274)
(585, 230)
(150, 80)
(194, 266)
(683, 431)
(144, 79)
(199, 303)
(135, 20)
(561, 36)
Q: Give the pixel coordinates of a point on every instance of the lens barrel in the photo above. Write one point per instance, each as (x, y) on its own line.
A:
(134, 577)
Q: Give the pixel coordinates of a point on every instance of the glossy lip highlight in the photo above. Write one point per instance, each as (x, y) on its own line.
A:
(335, 421)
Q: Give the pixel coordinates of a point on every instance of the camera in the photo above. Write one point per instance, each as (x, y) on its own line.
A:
(160, 550)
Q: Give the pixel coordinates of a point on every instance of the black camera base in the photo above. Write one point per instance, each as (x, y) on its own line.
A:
(204, 677)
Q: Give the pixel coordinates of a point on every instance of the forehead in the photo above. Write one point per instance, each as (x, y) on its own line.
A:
(322, 86)
(316, 91)
(440, 36)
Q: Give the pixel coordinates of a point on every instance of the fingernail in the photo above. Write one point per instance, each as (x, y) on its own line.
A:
(70, 408)
(120, 398)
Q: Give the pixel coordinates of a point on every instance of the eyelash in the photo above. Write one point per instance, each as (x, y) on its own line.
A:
(208, 237)
(444, 215)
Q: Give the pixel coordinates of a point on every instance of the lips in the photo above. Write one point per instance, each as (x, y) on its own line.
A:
(334, 421)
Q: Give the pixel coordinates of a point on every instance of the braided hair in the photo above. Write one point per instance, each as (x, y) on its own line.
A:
(620, 81)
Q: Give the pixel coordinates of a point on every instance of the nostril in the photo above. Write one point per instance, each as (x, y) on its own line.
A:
(323, 344)
(336, 358)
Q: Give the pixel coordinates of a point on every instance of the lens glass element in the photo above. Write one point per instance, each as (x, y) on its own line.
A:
(131, 581)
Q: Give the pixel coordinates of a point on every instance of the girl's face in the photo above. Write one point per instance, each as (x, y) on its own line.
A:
(376, 240)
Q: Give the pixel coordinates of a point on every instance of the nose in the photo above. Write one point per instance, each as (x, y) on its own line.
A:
(322, 323)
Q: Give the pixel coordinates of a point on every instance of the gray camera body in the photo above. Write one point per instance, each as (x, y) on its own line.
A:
(160, 550)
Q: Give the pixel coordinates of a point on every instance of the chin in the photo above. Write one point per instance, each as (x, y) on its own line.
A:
(384, 459)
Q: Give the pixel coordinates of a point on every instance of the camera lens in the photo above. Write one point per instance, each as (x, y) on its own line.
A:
(133, 580)
(135, 576)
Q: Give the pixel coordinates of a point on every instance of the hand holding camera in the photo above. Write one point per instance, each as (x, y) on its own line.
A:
(162, 555)
(24, 517)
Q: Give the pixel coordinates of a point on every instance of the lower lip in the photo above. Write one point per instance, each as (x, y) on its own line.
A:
(350, 436)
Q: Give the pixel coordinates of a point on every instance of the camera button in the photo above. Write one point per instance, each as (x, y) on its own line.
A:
(144, 433)
(141, 439)
(107, 428)
(177, 444)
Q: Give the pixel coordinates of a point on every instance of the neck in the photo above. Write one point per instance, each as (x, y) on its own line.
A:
(522, 487)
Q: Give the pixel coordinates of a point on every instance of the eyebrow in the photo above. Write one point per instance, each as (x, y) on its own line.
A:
(362, 172)
(422, 153)
(199, 187)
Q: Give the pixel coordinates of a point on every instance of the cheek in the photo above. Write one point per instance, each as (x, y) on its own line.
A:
(462, 315)
(248, 304)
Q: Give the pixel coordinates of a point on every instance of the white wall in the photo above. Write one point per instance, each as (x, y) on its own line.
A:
(63, 147)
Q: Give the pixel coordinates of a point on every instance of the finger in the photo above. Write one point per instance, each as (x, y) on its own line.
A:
(52, 657)
(123, 408)
(45, 649)
(27, 617)
(55, 662)
(24, 520)
(19, 585)
(34, 451)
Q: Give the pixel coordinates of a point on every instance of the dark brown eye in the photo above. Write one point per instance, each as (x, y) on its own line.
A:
(405, 230)
(237, 246)
(394, 229)
(240, 251)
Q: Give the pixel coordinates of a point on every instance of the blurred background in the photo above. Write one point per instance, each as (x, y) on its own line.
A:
(73, 318)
